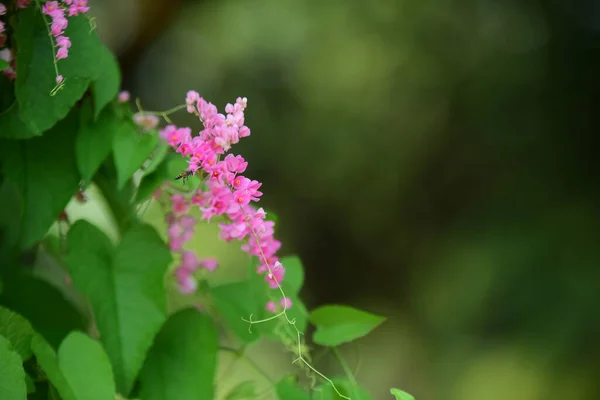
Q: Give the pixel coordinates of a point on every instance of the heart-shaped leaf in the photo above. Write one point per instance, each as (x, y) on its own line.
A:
(340, 324)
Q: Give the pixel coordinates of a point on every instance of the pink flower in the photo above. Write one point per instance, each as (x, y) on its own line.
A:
(59, 79)
(50, 7)
(185, 280)
(123, 96)
(2, 27)
(286, 303)
(77, 7)
(189, 261)
(2, 9)
(180, 204)
(58, 25)
(271, 307)
(209, 264)
(63, 41)
(62, 53)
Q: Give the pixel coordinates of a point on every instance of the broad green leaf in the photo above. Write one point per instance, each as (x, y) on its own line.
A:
(44, 171)
(11, 124)
(238, 300)
(287, 389)
(130, 150)
(106, 85)
(340, 324)
(17, 330)
(183, 359)
(37, 76)
(401, 395)
(47, 310)
(4, 65)
(126, 289)
(243, 390)
(12, 375)
(86, 368)
(94, 139)
(326, 391)
(47, 359)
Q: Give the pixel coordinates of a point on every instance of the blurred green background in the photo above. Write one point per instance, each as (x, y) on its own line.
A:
(433, 161)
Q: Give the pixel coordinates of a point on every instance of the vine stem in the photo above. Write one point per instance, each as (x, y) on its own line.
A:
(346, 368)
(163, 114)
(284, 313)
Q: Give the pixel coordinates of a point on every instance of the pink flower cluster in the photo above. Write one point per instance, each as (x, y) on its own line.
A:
(56, 11)
(228, 193)
(180, 231)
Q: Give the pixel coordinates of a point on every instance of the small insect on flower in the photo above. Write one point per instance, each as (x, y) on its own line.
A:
(184, 175)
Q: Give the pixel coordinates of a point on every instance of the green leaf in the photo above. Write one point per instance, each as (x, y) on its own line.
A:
(86, 368)
(12, 375)
(183, 360)
(238, 300)
(163, 172)
(17, 330)
(44, 171)
(160, 153)
(243, 390)
(401, 395)
(47, 359)
(11, 124)
(126, 289)
(94, 139)
(106, 86)
(46, 309)
(4, 65)
(37, 77)
(327, 392)
(340, 324)
(130, 150)
(287, 389)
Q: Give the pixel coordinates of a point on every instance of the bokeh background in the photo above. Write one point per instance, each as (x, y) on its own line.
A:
(432, 161)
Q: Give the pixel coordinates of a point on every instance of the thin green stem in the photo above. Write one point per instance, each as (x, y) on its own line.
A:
(347, 371)
(163, 114)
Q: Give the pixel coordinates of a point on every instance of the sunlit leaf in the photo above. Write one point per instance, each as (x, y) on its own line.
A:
(86, 368)
(340, 324)
(47, 359)
(17, 330)
(401, 395)
(12, 375)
